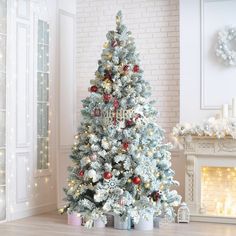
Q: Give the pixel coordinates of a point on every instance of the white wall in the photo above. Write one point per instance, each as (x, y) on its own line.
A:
(205, 83)
(67, 121)
(155, 26)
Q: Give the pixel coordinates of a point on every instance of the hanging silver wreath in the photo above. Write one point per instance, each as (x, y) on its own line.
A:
(225, 46)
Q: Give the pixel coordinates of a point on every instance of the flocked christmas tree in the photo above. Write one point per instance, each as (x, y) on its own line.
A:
(121, 163)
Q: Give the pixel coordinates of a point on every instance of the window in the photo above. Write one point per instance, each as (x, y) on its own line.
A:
(43, 96)
(3, 18)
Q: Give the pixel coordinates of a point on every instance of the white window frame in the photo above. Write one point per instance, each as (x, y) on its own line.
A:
(48, 171)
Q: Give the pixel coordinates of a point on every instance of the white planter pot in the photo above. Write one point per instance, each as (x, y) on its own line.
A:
(144, 223)
(74, 219)
(99, 224)
(120, 224)
(156, 222)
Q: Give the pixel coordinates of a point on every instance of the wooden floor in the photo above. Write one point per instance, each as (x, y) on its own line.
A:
(52, 224)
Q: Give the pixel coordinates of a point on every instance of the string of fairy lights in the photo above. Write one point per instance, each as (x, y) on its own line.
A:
(212, 179)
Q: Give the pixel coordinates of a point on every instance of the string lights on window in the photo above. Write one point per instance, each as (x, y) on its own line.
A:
(43, 96)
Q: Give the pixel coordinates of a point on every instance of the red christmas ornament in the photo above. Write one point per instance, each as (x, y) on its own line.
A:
(125, 68)
(108, 75)
(155, 196)
(81, 173)
(114, 43)
(94, 89)
(136, 68)
(136, 180)
(125, 145)
(107, 175)
(137, 116)
(97, 112)
(106, 97)
(116, 103)
(128, 123)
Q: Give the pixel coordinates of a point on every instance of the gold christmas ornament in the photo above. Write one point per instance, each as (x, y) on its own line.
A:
(118, 19)
(105, 45)
(140, 148)
(107, 84)
(149, 153)
(147, 185)
(109, 56)
(61, 210)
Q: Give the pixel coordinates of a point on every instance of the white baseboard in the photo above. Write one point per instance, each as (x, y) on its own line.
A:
(213, 219)
(32, 211)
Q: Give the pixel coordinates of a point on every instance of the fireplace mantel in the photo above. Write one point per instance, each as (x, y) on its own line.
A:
(206, 151)
(204, 145)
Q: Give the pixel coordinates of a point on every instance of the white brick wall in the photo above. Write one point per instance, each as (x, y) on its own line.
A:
(155, 26)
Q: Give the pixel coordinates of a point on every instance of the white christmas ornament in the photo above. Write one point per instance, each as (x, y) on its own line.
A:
(92, 174)
(93, 157)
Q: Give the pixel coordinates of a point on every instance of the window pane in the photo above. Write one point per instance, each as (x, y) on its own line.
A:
(46, 33)
(40, 32)
(2, 167)
(2, 203)
(43, 84)
(42, 120)
(2, 129)
(3, 13)
(2, 91)
(46, 59)
(42, 153)
(40, 57)
(2, 53)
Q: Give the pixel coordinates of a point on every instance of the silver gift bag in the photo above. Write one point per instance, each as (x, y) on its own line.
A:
(120, 223)
(110, 220)
(145, 223)
(156, 221)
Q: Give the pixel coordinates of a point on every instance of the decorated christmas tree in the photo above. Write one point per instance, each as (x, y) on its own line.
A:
(121, 163)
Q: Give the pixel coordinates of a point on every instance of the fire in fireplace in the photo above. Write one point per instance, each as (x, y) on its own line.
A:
(218, 191)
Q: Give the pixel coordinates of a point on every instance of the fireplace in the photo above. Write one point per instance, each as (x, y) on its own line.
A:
(210, 179)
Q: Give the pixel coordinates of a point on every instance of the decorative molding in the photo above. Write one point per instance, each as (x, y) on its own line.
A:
(206, 146)
(23, 9)
(21, 177)
(227, 146)
(22, 93)
(190, 147)
(189, 188)
(203, 105)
